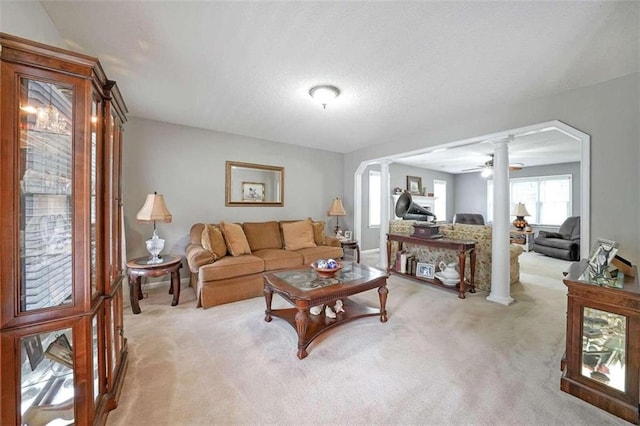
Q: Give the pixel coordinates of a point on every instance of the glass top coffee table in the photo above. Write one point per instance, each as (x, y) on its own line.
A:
(304, 289)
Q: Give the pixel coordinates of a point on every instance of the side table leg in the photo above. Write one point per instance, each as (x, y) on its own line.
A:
(302, 320)
(382, 293)
(134, 293)
(175, 285)
(268, 296)
(357, 253)
(461, 261)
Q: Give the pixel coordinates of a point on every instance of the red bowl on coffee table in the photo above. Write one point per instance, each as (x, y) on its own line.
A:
(326, 272)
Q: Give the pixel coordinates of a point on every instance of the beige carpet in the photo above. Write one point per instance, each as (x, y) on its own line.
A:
(438, 360)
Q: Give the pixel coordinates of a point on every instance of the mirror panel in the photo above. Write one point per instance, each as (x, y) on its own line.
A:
(253, 185)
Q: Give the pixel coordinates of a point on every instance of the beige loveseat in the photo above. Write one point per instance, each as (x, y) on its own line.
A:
(227, 261)
(481, 234)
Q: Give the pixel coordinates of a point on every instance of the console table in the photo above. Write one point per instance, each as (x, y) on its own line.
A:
(462, 247)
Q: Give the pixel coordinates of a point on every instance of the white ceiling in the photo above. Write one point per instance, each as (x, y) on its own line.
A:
(403, 67)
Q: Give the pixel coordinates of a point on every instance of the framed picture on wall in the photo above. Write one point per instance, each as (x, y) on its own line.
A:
(253, 191)
(414, 185)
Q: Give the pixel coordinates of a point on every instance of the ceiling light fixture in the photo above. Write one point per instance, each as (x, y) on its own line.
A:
(324, 94)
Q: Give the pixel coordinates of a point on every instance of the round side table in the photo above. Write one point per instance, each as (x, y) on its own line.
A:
(352, 245)
(140, 267)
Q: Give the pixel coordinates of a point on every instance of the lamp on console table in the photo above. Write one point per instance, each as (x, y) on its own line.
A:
(336, 209)
(520, 211)
(154, 210)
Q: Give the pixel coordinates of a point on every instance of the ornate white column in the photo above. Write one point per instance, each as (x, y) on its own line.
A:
(385, 190)
(500, 289)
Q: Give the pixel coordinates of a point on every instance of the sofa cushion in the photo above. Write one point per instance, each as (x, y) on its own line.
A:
(279, 259)
(318, 232)
(236, 240)
(298, 235)
(231, 266)
(213, 241)
(311, 254)
(262, 235)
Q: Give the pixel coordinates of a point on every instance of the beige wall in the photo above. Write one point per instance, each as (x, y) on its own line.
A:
(609, 112)
(187, 165)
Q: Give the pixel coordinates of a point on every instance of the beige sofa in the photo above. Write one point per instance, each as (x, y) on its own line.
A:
(227, 261)
(481, 234)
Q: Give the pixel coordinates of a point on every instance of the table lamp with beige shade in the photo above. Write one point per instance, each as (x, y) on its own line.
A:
(520, 211)
(154, 210)
(337, 210)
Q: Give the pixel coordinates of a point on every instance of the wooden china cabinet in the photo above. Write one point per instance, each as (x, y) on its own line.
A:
(62, 346)
(602, 359)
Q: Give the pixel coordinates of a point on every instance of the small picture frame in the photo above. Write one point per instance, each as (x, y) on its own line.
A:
(60, 350)
(425, 270)
(603, 247)
(348, 235)
(33, 348)
(414, 185)
(253, 191)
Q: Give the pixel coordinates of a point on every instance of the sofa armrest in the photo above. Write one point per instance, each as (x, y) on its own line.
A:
(197, 256)
(332, 241)
(549, 234)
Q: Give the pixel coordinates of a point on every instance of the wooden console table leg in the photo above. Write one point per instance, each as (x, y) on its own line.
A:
(462, 257)
(302, 320)
(388, 254)
(472, 266)
(134, 293)
(382, 293)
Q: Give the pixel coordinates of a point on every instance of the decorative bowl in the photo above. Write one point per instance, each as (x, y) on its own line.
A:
(326, 272)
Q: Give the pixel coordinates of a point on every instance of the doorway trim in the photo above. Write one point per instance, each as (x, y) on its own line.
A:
(585, 172)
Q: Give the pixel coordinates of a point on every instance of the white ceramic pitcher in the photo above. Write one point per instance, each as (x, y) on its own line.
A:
(449, 271)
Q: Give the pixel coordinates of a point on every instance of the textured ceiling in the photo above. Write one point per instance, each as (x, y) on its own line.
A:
(402, 67)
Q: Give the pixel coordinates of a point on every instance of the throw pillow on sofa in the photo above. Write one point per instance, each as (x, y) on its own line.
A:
(213, 241)
(236, 240)
(298, 235)
(318, 232)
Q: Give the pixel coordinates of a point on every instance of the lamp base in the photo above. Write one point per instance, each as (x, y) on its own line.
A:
(520, 223)
(154, 247)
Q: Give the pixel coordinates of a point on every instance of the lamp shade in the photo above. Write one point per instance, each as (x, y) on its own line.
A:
(154, 210)
(520, 210)
(337, 209)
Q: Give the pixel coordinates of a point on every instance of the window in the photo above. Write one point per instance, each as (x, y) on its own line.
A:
(548, 199)
(374, 198)
(440, 203)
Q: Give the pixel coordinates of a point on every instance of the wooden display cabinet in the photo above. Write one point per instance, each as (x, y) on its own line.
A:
(61, 327)
(602, 358)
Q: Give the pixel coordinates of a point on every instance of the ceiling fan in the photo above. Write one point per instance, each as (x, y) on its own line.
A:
(487, 167)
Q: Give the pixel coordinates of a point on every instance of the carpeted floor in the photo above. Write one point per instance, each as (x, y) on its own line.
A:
(438, 360)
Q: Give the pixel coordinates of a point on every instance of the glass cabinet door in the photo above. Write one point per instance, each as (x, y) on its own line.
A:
(46, 378)
(46, 208)
(604, 347)
(96, 118)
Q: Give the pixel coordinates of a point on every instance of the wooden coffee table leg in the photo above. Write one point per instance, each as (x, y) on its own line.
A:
(382, 293)
(302, 320)
(472, 266)
(268, 296)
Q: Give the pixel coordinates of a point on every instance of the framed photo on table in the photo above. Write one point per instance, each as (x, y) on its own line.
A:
(253, 191)
(414, 185)
(425, 270)
(348, 235)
